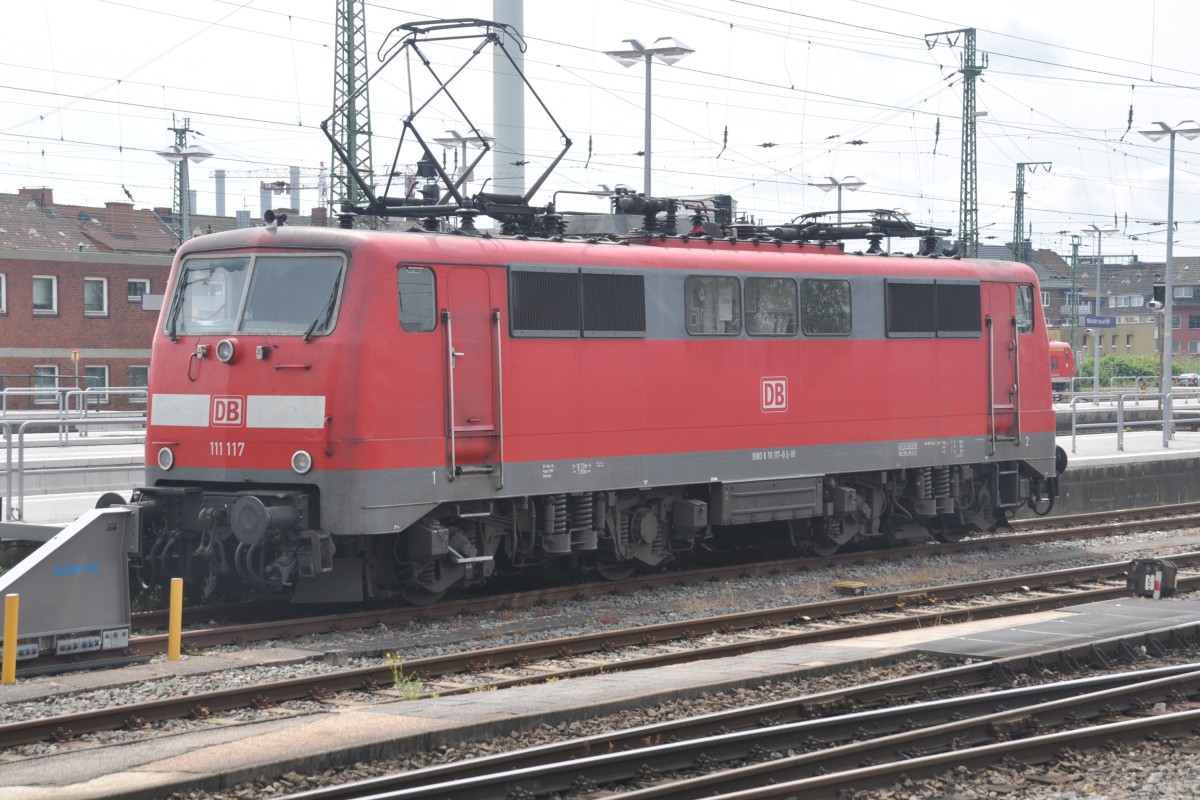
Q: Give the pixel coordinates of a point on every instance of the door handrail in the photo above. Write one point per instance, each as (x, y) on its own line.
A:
(499, 397)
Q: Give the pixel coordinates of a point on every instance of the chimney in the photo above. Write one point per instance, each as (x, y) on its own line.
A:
(319, 217)
(220, 175)
(120, 217)
(42, 195)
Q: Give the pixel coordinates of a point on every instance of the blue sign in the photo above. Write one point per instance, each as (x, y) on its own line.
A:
(1100, 322)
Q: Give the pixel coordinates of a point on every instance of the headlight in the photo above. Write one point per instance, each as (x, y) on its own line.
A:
(301, 462)
(226, 350)
(166, 459)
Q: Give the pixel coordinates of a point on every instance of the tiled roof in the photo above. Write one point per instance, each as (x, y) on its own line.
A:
(27, 225)
(1052, 261)
(31, 220)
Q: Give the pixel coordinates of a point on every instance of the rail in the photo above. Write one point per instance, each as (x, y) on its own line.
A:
(14, 502)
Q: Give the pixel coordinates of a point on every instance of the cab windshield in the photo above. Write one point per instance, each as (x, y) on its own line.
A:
(279, 294)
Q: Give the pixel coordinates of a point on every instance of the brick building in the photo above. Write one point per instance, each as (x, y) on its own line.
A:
(86, 279)
(74, 278)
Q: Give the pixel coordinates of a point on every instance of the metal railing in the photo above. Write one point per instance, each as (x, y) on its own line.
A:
(1167, 401)
(70, 405)
(14, 502)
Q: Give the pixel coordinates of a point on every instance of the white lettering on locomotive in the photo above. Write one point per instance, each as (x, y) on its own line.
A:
(228, 411)
(774, 394)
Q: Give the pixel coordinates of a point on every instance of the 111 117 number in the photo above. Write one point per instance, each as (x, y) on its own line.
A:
(226, 448)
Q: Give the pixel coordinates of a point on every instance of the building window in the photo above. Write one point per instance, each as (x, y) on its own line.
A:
(1194, 346)
(1182, 291)
(45, 294)
(139, 378)
(136, 287)
(45, 376)
(96, 378)
(3, 293)
(771, 306)
(1114, 343)
(95, 296)
(1174, 345)
(1174, 322)
(1129, 343)
(1045, 299)
(714, 305)
(1193, 321)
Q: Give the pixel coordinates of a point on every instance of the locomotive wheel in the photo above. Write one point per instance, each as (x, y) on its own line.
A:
(823, 546)
(949, 535)
(420, 596)
(617, 571)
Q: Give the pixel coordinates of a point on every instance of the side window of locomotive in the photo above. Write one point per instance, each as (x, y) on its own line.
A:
(418, 299)
(293, 294)
(1024, 309)
(208, 296)
(713, 305)
(825, 307)
(771, 306)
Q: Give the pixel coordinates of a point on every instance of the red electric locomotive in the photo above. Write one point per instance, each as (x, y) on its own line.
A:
(346, 413)
(342, 413)
(1062, 367)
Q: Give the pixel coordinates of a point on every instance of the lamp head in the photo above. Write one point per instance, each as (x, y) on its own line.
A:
(1188, 129)
(668, 50)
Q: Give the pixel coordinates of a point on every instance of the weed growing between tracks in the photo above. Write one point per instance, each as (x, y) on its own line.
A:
(409, 686)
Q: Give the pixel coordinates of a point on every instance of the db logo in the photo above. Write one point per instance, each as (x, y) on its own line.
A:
(774, 394)
(229, 411)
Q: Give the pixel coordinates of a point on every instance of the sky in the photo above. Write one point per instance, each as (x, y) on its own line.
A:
(778, 95)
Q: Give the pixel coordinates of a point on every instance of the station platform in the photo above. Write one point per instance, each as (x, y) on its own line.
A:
(224, 754)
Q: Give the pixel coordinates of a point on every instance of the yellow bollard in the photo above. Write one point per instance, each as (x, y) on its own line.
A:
(175, 627)
(8, 673)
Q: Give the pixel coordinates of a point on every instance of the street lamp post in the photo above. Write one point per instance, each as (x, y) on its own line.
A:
(849, 182)
(1189, 130)
(1107, 230)
(1074, 312)
(180, 154)
(666, 49)
(476, 138)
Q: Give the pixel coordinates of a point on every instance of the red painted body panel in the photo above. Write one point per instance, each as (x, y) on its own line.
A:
(1062, 360)
(385, 388)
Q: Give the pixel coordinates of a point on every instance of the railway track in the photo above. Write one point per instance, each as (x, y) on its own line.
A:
(818, 745)
(268, 625)
(630, 649)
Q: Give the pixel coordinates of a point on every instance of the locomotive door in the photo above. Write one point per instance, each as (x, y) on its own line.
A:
(472, 339)
(1003, 377)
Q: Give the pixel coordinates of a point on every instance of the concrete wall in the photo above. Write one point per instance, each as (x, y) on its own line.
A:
(1110, 487)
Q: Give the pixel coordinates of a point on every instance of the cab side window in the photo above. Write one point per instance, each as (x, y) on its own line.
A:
(418, 299)
(1024, 309)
